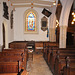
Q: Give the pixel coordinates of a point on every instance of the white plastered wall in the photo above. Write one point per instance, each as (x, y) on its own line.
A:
(19, 26)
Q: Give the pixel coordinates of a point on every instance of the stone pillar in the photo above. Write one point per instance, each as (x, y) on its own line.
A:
(62, 38)
(52, 35)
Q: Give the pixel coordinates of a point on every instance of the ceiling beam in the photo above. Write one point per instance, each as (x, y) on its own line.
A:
(34, 1)
(29, 5)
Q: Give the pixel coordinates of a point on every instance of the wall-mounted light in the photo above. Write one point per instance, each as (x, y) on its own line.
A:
(72, 22)
(57, 23)
(73, 14)
(74, 19)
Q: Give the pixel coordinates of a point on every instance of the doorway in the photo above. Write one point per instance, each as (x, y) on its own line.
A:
(70, 38)
(3, 35)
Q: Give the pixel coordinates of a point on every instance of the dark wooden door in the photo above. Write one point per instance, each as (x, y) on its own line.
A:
(70, 38)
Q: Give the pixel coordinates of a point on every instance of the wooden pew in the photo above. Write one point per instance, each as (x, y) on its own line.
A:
(49, 54)
(18, 45)
(69, 68)
(23, 51)
(39, 47)
(17, 50)
(47, 51)
(10, 67)
(53, 55)
(8, 53)
(50, 44)
(60, 62)
(11, 58)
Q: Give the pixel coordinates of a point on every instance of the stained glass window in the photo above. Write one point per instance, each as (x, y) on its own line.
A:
(30, 21)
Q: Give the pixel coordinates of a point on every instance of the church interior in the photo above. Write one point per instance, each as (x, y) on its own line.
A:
(37, 37)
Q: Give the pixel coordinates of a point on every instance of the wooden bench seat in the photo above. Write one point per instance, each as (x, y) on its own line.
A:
(50, 54)
(18, 50)
(50, 44)
(8, 53)
(11, 58)
(69, 68)
(18, 45)
(53, 55)
(8, 73)
(23, 51)
(60, 62)
(47, 51)
(10, 67)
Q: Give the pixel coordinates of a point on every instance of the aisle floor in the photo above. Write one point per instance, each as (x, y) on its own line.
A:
(38, 66)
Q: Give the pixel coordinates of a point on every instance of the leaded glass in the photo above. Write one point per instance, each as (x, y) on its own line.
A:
(31, 22)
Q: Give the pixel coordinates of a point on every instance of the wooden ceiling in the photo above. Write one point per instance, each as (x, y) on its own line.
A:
(32, 3)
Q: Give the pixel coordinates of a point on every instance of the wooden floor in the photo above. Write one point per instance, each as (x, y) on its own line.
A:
(38, 66)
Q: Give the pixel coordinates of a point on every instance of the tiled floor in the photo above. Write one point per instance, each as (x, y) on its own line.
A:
(38, 66)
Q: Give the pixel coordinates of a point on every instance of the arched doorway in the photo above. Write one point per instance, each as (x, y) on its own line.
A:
(3, 35)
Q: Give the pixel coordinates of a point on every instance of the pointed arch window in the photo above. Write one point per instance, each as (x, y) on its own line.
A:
(30, 22)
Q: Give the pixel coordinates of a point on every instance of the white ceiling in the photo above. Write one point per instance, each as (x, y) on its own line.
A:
(36, 3)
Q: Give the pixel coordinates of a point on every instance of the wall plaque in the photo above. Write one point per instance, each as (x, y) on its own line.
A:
(44, 25)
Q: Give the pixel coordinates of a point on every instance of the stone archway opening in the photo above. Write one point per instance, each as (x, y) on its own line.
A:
(5, 34)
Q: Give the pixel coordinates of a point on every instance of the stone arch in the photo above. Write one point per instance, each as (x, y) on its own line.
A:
(63, 23)
(65, 13)
(37, 17)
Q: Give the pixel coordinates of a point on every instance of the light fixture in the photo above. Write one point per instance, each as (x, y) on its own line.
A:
(57, 23)
(54, 3)
(74, 19)
(73, 13)
(72, 22)
(56, 26)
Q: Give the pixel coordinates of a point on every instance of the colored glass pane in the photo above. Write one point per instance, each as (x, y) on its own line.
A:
(31, 22)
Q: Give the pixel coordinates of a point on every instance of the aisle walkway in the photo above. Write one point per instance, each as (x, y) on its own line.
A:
(38, 66)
